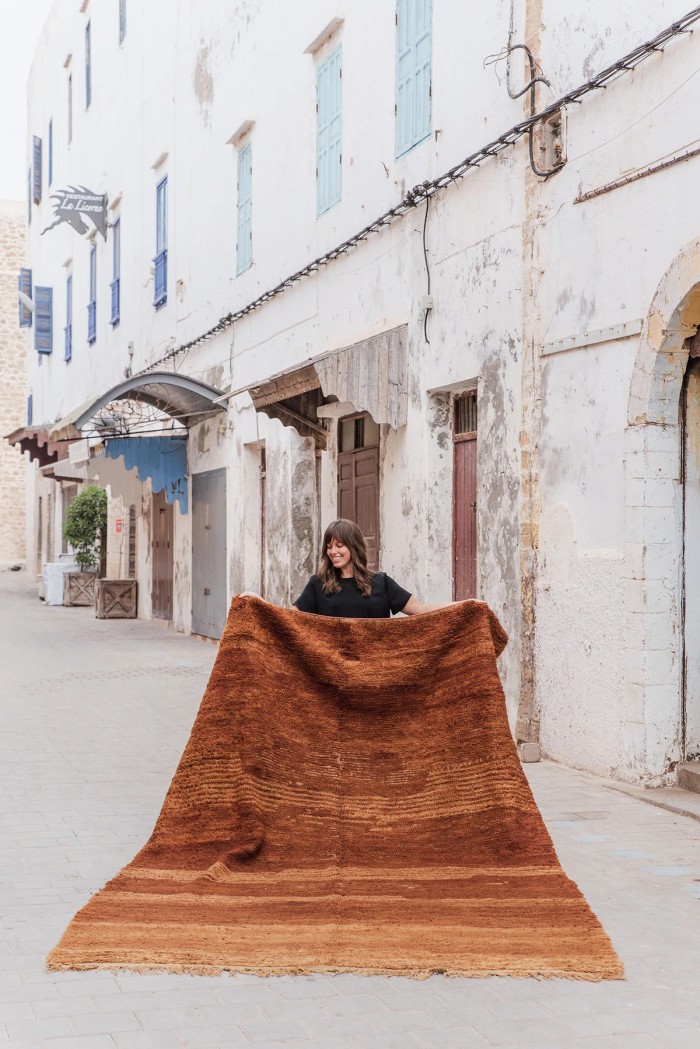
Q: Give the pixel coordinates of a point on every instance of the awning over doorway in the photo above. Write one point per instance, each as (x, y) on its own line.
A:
(35, 440)
(369, 376)
(177, 396)
(161, 459)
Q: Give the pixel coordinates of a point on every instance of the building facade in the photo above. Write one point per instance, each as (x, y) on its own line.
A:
(13, 391)
(334, 266)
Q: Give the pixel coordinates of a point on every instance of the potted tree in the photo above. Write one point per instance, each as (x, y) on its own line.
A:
(85, 530)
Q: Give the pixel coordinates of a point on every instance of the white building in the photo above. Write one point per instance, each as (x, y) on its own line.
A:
(488, 377)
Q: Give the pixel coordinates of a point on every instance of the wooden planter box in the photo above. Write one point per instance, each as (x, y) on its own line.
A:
(79, 588)
(115, 599)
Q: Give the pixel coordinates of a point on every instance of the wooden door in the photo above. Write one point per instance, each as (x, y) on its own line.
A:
(209, 553)
(162, 558)
(464, 536)
(358, 496)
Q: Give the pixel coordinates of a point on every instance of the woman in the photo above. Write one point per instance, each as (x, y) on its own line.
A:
(345, 587)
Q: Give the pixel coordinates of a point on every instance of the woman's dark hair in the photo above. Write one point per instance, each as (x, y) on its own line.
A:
(347, 533)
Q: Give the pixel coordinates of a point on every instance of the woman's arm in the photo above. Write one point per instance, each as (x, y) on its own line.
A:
(414, 607)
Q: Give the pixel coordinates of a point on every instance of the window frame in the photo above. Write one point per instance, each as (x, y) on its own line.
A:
(92, 302)
(329, 189)
(160, 261)
(115, 284)
(244, 209)
(405, 109)
(68, 330)
(88, 64)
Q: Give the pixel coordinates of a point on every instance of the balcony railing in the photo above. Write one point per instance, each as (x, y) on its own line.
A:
(160, 278)
(92, 330)
(114, 315)
(68, 345)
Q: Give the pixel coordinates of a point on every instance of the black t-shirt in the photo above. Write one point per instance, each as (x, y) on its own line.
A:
(386, 597)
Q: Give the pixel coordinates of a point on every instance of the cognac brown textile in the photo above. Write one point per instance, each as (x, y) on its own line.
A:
(350, 799)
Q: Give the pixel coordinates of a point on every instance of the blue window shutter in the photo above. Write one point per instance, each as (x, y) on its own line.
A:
(43, 320)
(29, 197)
(25, 287)
(92, 304)
(329, 132)
(36, 163)
(244, 242)
(88, 66)
(404, 76)
(413, 72)
(30, 409)
(50, 151)
(160, 276)
(116, 272)
(68, 332)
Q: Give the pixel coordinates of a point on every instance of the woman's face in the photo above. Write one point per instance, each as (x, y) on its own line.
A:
(339, 554)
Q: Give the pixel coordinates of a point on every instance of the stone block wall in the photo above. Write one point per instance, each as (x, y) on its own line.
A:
(13, 384)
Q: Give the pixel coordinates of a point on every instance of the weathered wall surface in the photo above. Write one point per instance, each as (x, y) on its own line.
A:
(13, 388)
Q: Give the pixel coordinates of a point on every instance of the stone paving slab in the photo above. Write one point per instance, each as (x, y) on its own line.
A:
(94, 716)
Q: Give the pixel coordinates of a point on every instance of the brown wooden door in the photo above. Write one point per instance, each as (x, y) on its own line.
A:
(162, 551)
(358, 496)
(464, 499)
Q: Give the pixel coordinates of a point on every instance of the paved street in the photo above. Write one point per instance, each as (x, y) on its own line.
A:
(94, 717)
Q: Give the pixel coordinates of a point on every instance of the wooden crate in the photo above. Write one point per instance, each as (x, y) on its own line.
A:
(115, 599)
(79, 588)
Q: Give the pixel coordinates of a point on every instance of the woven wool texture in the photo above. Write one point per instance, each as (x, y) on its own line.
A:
(350, 799)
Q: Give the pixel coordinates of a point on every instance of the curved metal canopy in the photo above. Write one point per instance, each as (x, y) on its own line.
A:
(184, 399)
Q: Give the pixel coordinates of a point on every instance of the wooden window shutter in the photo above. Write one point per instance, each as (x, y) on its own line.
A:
(43, 320)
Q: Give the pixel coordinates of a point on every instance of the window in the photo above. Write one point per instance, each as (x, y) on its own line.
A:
(50, 151)
(29, 197)
(30, 409)
(122, 20)
(413, 73)
(43, 320)
(36, 164)
(328, 132)
(68, 330)
(116, 265)
(92, 304)
(70, 108)
(25, 293)
(244, 243)
(160, 283)
(88, 66)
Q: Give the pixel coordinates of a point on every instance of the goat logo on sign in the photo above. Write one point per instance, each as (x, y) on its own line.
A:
(74, 203)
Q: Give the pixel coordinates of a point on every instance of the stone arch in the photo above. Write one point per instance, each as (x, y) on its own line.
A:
(653, 521)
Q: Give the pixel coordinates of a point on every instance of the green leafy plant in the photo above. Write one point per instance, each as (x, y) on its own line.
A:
(85, 528)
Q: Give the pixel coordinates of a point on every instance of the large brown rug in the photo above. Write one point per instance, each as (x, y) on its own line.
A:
(350, 799)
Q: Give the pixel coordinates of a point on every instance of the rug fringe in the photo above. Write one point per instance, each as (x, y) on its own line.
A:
(56, 964)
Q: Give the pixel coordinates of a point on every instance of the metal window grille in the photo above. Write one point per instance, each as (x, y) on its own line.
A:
(465, 413)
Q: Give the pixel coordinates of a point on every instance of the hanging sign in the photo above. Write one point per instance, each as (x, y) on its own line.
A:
(75, 204)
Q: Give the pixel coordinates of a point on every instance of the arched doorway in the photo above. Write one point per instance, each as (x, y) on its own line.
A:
(662, 519)
(690, 585)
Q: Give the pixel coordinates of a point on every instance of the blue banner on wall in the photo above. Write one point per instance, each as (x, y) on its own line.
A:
(162, 459)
